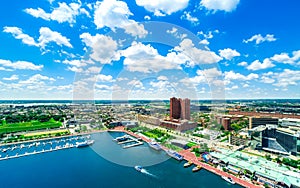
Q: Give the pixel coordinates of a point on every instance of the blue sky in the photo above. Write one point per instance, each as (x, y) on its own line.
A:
(143, 49)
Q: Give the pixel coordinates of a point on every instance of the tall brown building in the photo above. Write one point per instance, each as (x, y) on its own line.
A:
(175, 109)
(185, 108)
(180, 108)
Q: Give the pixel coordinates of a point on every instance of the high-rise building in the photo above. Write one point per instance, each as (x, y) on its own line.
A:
(180, 108)
(175, 108)
(185, 108)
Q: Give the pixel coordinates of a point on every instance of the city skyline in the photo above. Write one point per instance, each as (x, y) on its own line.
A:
(51, 49)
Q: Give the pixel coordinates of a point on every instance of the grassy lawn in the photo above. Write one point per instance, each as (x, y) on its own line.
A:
(46, 132)
(28, 126)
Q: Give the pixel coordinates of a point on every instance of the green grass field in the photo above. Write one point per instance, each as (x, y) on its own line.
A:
(28, 126)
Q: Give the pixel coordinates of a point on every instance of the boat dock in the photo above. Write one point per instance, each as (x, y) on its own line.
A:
(128, 139)
(38, 147)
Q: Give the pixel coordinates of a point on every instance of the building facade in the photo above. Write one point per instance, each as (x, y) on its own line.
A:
(175, 108)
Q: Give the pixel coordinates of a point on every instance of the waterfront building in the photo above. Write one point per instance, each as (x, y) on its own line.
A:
(287, 122)
(180, 108)
(260, 169)
(185, 106)
(258, 121)
(281, 140)
(148, 119)
(175, 108)
(181, 125)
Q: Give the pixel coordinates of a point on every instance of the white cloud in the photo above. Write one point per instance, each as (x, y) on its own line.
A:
(12, 78)
(243, 64)
(231, 75)
(162, 78)
(115, 14)
(145, 58)
(47, 36)
(246, 85)
(267, 80)
(104, 48)
(228, 53)
(176, 34)
(63, 13)
(287, 77)
(256, 65)
(163, 7)
(21, 65)
(222, 5)
(136, 83)
(18, 34)
(260, 39)
(286, 59)
(195, 55)
(37, 79)
(231, 88)
(187, 16)
(147, 17)
(75, 62)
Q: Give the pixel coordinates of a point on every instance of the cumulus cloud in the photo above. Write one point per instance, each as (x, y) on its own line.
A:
(145, 58)
(18, 34)
(260, 39)
(256, 65)
(104, 48)
(286, 59)
(243, 64)
(37, 79)
(46, 36)
(187, 16)
(19, 65)
(220, 5)
(228, 53)
(231, 75)
(115, 14)
(63, 13)
(12, 78)
(195, 55)
(163, 7)
(286, 78)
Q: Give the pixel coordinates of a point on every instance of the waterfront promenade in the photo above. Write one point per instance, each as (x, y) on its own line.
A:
(189, 156)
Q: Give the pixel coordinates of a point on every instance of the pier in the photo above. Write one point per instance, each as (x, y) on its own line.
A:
(38, 147)
(128, 139)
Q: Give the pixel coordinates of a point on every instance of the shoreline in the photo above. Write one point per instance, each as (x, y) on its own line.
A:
(187, 155)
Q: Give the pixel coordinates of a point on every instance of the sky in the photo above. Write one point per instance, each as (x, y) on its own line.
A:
(146, 49)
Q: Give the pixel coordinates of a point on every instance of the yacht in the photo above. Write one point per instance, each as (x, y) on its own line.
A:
(154, 145)
(228, 179)
(174, 154)
(84, 143)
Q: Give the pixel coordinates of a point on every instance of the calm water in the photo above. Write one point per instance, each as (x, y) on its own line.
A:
(105, 164)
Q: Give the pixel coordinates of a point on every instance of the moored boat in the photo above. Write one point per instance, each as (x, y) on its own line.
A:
(228, 179)
(196, 168)
(84, 143)
(174, 154)
(154, 145)
(187, 164)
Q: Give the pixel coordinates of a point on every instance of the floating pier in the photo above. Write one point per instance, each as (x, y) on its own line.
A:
(128, 139)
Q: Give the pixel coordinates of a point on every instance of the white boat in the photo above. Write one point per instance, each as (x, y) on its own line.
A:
(138, 168)
(228, 179)
(154, 145)
(174, 154)
(187, 164)
(196, 168)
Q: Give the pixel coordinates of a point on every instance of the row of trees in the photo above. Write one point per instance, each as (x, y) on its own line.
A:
(30, 117)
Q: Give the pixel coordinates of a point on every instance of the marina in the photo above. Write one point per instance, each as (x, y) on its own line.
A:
(128, 141)
(37, 147)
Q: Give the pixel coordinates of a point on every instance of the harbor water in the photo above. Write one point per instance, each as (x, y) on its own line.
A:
(104, 164)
